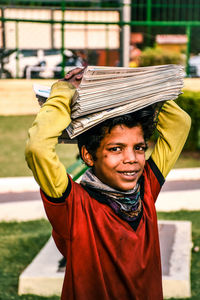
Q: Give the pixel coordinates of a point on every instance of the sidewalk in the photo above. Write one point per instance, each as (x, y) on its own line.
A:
(170, 199)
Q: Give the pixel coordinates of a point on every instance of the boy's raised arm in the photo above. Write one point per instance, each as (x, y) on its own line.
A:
(173, 127)
(52, 119)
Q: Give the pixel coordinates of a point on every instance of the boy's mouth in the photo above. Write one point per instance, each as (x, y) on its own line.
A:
(128, 173)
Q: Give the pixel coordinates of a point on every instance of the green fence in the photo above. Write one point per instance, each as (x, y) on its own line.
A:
(148, 16)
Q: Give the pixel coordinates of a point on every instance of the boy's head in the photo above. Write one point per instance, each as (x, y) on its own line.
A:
(115, 148)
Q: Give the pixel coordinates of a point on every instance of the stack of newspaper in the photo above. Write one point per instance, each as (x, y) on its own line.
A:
(106, 92)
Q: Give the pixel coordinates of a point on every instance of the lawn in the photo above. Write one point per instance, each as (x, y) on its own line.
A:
(20, 242)
(13, 135)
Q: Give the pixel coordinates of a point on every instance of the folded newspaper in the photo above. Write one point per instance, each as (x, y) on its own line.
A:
(107, 92)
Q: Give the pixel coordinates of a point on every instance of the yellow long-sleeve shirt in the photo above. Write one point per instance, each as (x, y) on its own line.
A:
(54, 116)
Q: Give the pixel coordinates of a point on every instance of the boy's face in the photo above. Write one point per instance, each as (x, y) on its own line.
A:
(120, 157)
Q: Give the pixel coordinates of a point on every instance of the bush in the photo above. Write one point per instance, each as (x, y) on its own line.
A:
(190, 102)
(157, 56)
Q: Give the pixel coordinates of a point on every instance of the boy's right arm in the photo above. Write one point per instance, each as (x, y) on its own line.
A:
(53, 118)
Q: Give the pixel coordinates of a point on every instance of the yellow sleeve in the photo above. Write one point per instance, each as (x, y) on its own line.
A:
(52, 119)
(173, 127)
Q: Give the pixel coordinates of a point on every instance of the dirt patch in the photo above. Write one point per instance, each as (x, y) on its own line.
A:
(17, 96)
(192, 84)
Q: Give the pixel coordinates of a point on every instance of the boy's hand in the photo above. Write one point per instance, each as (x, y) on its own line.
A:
(74, 76)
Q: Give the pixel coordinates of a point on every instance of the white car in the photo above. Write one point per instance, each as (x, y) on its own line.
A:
(194, 64)
(15, 64)
(35, 63)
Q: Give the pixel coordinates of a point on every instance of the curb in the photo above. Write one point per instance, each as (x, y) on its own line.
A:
(184, 174)
(18, 184)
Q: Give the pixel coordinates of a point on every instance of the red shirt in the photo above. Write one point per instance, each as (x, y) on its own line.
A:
(106, 258)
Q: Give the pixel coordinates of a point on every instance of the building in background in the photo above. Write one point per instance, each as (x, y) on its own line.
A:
(172, 42)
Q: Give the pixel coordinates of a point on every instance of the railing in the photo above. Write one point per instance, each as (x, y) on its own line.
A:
(145, 14)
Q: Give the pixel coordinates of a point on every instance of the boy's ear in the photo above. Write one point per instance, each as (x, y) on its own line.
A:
(87, 157)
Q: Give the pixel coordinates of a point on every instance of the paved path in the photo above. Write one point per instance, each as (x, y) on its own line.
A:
(20, 197)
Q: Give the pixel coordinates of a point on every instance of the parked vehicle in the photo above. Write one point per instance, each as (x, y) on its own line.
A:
(38, 63)
(76, 59)
(4, 57)
(16, 62)
(194, 66)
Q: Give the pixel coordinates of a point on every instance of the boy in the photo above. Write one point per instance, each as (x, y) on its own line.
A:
(106, 227)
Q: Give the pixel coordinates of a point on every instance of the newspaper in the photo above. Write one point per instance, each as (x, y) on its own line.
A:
(106, 92)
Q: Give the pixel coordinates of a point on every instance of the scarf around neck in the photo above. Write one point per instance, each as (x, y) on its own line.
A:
(126, 204)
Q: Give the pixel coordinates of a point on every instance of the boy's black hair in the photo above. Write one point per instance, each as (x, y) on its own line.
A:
(145, 117)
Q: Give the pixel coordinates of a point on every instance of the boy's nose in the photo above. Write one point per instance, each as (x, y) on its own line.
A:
(129, 157)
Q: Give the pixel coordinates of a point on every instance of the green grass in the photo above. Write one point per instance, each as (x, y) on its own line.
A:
(20, 242)
(188, 160)
(13, 136)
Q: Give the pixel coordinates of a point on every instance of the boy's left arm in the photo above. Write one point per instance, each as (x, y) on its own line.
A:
(173, 127)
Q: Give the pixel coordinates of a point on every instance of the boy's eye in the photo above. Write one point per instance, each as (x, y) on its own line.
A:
(115, 149)
(140, 148)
